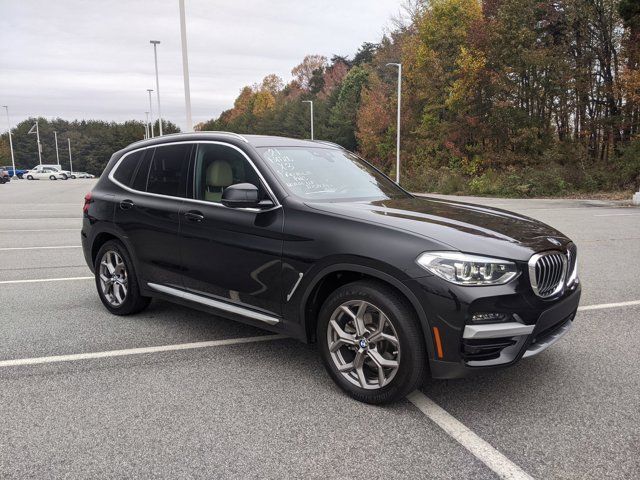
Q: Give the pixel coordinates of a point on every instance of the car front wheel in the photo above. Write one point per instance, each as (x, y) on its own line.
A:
(116, 280)
(29, 177)
(371, 342)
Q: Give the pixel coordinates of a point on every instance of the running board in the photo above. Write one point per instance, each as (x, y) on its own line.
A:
(227, 307)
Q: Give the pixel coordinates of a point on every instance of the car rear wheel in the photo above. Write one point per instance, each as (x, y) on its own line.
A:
(29, 177)
(371, 342)
(116, 280)
(64, 176)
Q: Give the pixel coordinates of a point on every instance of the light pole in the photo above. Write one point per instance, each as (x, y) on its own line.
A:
(39, 145)
(185, 67)
(155, 57)
(146, 126)
(55, 136)
(70, 160)
(399, 65)
(13, 160)
(310, 102)
(151, 111)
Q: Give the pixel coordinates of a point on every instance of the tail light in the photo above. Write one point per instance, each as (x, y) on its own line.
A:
(87, 201)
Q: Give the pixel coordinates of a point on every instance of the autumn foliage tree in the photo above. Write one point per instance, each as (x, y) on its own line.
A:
(505, 97)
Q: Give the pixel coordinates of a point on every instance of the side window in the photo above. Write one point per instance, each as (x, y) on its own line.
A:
(140, 176)
(168, 172)
(219, 166)
(127, 167)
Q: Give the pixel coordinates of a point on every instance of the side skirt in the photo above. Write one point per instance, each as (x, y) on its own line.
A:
(219, 305)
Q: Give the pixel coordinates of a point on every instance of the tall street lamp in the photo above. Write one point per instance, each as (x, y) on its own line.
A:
(55, 136)
(185, 67)
(155, 57)
(146, 126)
(399, 65)
(310, 102)
(37, 132)
(151, 111)
(70, 160)
(13, 160)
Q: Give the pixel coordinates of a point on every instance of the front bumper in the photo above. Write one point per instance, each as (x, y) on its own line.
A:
(467, 347)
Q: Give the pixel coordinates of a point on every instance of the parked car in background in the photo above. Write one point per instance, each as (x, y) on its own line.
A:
(18, 173)
(309, 240)
(43, 173)
(66, 174)
(82, 175)
(4, 176)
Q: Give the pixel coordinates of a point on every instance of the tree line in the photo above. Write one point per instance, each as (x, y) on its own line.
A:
(506, 97)
(92, 142)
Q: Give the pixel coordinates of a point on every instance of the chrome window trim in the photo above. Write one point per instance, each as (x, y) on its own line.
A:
(210, 302)
(273, 197)
(532, 273)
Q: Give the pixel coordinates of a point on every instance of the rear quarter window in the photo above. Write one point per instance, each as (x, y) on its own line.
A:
(126, 168)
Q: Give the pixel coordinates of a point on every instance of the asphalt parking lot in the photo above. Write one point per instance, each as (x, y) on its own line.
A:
(264, 407)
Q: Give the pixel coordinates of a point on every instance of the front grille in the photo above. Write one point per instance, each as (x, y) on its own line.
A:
(547, 273)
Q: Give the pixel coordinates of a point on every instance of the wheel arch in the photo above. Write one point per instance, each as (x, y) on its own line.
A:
(99, 240)
(336, 275)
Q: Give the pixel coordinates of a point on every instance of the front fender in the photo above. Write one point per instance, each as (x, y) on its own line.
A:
(389, 275)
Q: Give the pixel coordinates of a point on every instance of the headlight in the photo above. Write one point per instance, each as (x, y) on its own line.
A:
(463, 269)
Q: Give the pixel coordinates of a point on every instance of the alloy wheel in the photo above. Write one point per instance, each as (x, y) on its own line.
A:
(363, 344)
(114, 281)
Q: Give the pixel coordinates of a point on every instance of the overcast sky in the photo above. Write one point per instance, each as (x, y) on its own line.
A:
(79, 59)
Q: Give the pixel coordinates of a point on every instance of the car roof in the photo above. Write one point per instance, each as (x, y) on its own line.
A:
(254, 140)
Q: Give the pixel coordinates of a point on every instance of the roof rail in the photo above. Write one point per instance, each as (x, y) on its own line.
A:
(328, 143)
(233, 134)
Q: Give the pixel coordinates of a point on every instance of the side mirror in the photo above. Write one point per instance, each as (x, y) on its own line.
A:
(241, 195)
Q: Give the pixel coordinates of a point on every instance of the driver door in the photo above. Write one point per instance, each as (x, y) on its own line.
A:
(230, 254)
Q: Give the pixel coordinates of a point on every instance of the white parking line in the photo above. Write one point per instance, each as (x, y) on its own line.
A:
(609, 305)
(39, 248)
(478, 447)
(617, 215)
(43, 230)
(45, 218)
(137, 351)
(38, 280)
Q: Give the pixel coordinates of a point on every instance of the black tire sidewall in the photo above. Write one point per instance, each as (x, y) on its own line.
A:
(412, 350)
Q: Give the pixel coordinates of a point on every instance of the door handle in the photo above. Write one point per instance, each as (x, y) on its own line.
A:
(126, 204)
(194, 216)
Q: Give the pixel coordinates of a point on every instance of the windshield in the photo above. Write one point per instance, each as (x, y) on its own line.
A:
(326, 174)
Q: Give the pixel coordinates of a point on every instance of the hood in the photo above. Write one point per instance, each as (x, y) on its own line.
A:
(461, 226)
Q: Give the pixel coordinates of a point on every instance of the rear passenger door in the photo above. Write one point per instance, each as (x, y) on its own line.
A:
(154, 186)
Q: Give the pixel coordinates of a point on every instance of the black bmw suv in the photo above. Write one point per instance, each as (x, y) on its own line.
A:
(307, 239)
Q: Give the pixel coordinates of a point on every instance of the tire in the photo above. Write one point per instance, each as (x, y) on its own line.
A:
(52, 177)
(132, 301)
(29, 177)
(64, 176)
(400, 324)
(73, 177)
